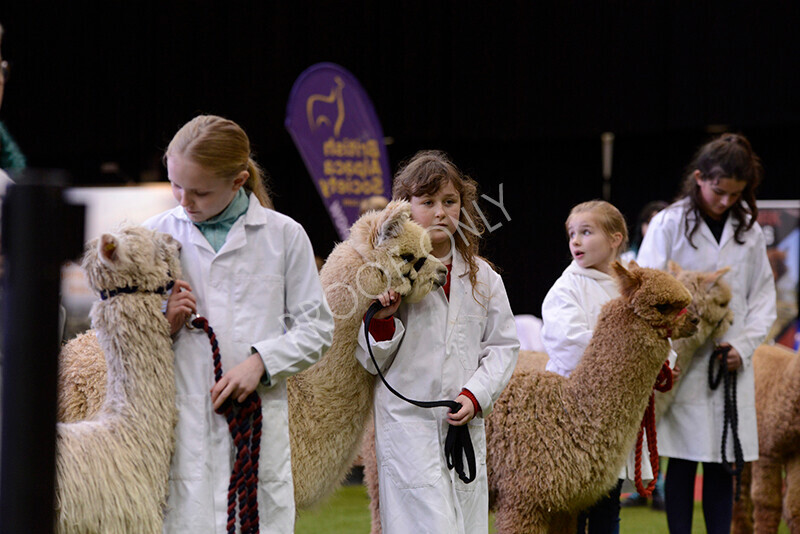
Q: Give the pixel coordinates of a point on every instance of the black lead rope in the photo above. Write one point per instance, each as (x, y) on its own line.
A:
(457, 444)
(731, 417)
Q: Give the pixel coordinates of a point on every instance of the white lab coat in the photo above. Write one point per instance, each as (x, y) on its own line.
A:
(570, 311)
(692, 427)
(448, 346)
(261, 290)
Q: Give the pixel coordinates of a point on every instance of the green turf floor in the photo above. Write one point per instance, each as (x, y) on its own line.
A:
(347, 512)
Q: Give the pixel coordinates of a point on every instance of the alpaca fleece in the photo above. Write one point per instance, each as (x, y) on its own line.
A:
(331, 401)
(710, 298)
(556, 444)
(112, 469)
(763, 499)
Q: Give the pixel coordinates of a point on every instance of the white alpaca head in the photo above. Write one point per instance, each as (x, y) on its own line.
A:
(400, 252)
(134, 256)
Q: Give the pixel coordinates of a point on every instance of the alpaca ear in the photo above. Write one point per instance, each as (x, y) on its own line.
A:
(632, 265)
(711, 278)
(628, 281)
(107, 247)
(390, 224)
(673, 268)
(167, 242)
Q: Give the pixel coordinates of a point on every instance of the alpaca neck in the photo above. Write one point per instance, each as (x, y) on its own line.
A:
(343, 374)
(686, 347)
(613, 382)
(334, 393)
(133, 335)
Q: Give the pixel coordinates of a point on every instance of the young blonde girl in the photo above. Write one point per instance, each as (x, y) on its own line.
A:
(713, 225)
(460, 344)
(597, 236)
(250, 272)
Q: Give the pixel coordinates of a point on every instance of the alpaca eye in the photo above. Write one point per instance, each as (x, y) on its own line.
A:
(662, 308)
(408, 258)
(724, 304)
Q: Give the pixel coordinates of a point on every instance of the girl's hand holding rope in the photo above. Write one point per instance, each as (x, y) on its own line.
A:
(181, 304)
(390, 300)
(465, 414)
(239, 381)
(733, 359)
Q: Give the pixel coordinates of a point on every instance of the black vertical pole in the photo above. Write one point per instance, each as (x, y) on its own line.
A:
(39, 232)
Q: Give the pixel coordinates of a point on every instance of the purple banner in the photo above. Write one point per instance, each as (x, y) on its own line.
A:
(334, 126)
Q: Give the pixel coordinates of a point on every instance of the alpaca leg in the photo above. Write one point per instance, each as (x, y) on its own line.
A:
(371, 476)
(791, 501)
(766, 494)
(509, 519)
(743, 508)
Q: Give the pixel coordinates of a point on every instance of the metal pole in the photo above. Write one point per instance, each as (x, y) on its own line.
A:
(607, 154)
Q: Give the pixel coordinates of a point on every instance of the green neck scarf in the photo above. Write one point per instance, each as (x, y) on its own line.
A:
(216, 228)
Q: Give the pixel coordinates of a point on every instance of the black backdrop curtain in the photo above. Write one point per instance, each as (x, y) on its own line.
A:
(517, 92)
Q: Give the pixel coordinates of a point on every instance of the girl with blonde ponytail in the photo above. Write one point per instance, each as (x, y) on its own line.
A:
(250, 271)
(221, 146)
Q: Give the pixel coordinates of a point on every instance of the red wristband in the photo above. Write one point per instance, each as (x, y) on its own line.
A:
(467, 393)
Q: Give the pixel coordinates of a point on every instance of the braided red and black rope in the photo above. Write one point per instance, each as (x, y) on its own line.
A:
(244, 425)
(663, 383)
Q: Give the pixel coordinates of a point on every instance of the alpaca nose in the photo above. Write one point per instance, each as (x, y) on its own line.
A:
(441, 276)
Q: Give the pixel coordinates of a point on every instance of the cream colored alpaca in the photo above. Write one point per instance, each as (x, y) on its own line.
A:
(763, 500)
(330, 402)
(555, 445)
(710, 298)
(112, 468)
(81, 378)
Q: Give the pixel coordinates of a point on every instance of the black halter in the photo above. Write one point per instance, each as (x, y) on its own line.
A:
(108, 293)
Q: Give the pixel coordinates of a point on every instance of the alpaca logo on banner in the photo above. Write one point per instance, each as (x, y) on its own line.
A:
(336, 130)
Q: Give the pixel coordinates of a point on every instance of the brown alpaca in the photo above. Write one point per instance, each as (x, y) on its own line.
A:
(777, 394)
(555, 445)
(330, 402)
(710, 298)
